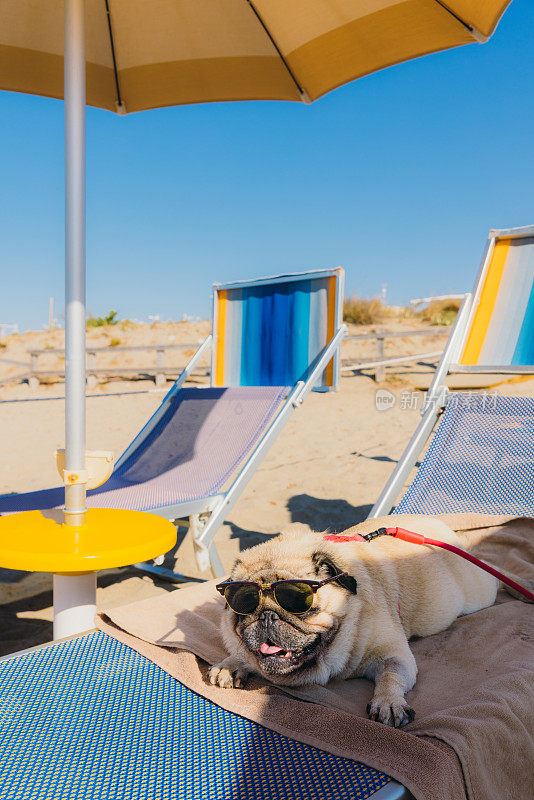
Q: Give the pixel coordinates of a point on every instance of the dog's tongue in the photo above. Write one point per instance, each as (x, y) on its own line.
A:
(270, 649)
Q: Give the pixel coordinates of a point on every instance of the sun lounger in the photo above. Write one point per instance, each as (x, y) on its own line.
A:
(273, 341)
(493, 333)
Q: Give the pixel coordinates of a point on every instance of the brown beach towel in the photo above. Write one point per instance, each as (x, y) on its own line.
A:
(473, 735)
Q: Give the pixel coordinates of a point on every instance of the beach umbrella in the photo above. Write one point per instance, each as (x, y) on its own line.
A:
(131, 55)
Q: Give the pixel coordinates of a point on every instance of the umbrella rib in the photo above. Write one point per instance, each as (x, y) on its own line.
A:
(120, 105)
(300, 89)
(478, 35)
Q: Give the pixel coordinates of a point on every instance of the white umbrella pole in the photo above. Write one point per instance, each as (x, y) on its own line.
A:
(74, 596)
(75, 254)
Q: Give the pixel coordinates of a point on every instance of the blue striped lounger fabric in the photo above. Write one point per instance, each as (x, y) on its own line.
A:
(91, 719)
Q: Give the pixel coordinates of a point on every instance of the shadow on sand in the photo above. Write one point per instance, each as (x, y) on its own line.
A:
(20, 631)
(320, 514)
(248, 538)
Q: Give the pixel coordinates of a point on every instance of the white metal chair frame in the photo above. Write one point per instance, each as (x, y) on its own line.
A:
(438, 392)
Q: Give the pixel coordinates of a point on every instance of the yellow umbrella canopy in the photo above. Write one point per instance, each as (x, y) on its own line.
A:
(145, 54)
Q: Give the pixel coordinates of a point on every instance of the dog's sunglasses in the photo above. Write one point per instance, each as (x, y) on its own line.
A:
(295, 596)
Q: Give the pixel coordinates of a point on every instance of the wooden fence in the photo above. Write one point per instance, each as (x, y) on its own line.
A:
(160, 371)
(380, 362)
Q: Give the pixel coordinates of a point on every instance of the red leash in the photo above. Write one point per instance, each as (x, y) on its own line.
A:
(418, 538)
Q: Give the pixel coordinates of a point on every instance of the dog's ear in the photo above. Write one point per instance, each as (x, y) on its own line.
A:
(237, 563)
(323, 563)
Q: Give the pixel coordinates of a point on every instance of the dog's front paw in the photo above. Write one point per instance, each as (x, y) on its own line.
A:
(229, 674)
(393, 712)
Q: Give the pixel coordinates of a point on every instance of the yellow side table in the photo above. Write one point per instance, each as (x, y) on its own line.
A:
(41, 541)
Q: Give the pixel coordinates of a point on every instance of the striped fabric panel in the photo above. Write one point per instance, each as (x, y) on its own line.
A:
(480, 460)
(502, 331)
(269, 334)
(91, 719)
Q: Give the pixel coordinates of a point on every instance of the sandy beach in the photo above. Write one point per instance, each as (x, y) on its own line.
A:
(326, 468)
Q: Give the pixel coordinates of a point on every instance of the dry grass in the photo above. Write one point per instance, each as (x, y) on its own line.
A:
(364, 312)
(440, 312)
(126, 324)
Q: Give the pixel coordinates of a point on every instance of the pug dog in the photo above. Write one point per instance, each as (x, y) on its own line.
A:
(302, 609)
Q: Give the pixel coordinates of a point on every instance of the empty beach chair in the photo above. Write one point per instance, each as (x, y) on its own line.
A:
(273, 340)
(493, 333)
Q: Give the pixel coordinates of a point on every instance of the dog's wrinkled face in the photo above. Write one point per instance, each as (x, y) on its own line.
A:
(285, 647)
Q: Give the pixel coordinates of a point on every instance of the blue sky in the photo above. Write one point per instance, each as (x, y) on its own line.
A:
(397, 177)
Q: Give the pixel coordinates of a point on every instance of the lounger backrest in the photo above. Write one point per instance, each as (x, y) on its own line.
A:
(500, 330)
(269, 331)
(481, 459)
